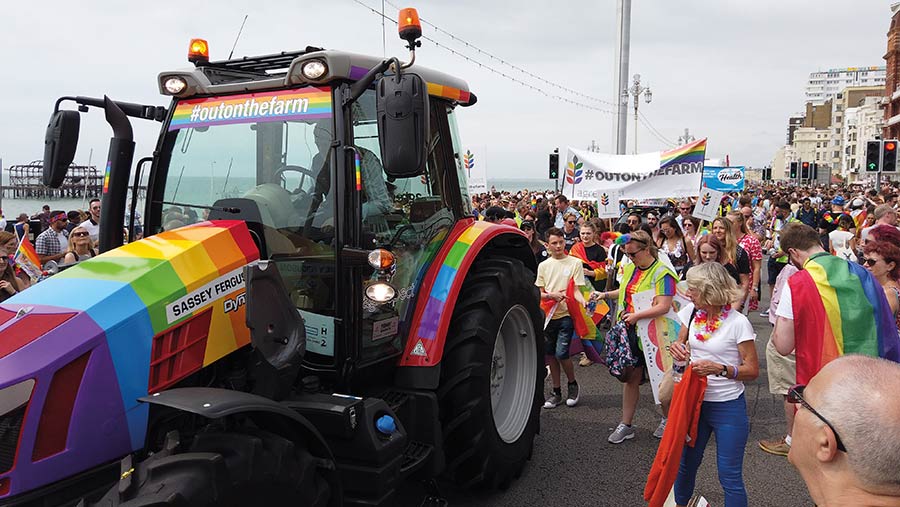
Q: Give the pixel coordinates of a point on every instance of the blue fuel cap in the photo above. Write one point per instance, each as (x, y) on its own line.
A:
(386, 425)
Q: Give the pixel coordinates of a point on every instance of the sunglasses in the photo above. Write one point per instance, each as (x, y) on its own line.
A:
(571, 221)
(870, 262)
(685, 209)
(795, 395)
(80, 234)
(631, 255)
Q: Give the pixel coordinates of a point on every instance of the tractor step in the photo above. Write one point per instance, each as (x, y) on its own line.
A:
(415, 455)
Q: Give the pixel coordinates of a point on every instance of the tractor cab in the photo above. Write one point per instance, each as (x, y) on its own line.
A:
(275, 141)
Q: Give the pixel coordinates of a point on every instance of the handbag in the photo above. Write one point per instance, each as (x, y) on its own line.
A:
(620, 358)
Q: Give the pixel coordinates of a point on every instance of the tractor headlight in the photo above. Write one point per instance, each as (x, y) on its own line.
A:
(381, 292)
(15, 396)
(314, 69)
(174, 85)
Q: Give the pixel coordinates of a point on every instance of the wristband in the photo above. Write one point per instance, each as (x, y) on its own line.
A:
(735, 373)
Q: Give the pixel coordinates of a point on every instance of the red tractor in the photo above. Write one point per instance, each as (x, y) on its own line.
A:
(314, 318)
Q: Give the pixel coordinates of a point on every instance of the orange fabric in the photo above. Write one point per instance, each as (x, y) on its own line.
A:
(684, 414)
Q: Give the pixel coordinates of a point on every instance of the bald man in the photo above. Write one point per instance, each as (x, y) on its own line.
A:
(856, 395)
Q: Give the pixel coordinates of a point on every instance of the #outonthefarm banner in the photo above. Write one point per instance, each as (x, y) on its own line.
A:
(473, 162)
(674, 173)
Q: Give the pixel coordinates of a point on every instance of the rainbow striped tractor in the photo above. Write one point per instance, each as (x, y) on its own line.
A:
(313, 317)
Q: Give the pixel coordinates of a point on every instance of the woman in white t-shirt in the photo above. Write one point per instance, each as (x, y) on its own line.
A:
(720, 348)
(842, 240)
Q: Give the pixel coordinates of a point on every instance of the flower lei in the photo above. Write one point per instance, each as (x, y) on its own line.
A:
(709, 326)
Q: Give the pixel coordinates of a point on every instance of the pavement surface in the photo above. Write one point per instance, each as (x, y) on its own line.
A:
(574, 465)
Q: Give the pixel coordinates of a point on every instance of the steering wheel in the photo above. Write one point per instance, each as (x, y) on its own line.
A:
(279, 174)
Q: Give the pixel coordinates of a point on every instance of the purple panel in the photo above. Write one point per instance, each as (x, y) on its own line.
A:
(98, 431)
(430, 317)
(357, 72)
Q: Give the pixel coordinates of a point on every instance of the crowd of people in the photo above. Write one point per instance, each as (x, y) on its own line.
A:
(832, 267)
(56, 236)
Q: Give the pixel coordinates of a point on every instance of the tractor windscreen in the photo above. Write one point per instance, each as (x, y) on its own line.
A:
(270, 147)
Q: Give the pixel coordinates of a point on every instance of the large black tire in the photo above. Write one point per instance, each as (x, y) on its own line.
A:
(477, 455)
(249, 467)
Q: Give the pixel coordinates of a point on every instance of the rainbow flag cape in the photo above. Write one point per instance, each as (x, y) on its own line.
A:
(842, 309)
(26, 258)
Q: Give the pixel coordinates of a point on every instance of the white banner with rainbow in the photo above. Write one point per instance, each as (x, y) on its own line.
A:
(673, 173)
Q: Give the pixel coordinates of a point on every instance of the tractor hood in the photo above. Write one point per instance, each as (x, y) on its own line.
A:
(77, 350)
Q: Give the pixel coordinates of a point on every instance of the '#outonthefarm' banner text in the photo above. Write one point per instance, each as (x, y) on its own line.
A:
(674, 173)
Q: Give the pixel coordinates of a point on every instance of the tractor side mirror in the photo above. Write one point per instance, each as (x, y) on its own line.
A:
(403, 128)
(59, 146)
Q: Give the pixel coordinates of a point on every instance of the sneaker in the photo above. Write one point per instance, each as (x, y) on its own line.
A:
(584, 360)
(661, 428)
(621, 434)
(572, 398)
(776, 446)
(553, 401)
(764, 314)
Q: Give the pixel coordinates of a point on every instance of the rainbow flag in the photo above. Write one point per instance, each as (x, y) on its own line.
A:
(585, 320)
(26, 258)
(841, 309)
(693, 152)
(548, 306)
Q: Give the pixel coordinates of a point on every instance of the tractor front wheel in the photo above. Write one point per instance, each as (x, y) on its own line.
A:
(233, 468)
(491, 375)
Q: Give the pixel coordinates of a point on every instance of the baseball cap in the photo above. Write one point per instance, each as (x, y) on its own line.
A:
(838, 200)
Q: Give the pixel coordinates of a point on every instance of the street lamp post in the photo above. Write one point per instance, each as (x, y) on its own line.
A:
(636, 91)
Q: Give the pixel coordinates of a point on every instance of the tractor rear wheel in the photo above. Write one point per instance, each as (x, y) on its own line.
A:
(491, 375)
(248, 467)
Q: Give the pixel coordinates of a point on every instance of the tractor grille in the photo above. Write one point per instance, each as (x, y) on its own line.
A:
(10, 425)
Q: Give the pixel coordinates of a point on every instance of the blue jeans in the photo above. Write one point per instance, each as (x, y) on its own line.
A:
(558, 336)
(729, 421)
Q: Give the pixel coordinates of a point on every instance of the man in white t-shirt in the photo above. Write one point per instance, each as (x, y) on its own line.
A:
(553, 277)
(92, 224)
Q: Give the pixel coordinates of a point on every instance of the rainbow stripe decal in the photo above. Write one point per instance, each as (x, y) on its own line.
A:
(844, 312)
(693, 152)
(301, 104)
(447, 92)
(106, 176)
(434, 308)
(358, 172)
(145, 288)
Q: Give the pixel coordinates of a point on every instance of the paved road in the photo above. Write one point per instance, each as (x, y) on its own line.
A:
(574, 465)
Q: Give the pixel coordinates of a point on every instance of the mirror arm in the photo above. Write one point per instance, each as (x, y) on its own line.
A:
(155, 113)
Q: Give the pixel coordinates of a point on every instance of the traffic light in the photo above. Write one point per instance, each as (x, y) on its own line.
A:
(873, 153)
(889, 159)
(815, 171)
(793, 174)
(804, 171)
(554, 166)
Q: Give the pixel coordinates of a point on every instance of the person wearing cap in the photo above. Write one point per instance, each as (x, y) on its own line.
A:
(777, 259)
(22, 228)
(51, 244)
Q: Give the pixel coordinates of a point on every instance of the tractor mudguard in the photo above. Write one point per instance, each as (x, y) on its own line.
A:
(215, 403)
(419, 365)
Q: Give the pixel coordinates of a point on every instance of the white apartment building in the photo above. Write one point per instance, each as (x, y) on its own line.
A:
(781, 162)
(862, 124)
(813, 145)
(846, 103)
(827, 84)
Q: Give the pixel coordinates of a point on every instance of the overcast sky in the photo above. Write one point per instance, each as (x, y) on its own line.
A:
(732, 71)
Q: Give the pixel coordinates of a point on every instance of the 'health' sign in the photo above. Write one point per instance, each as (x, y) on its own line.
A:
(724, 179)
